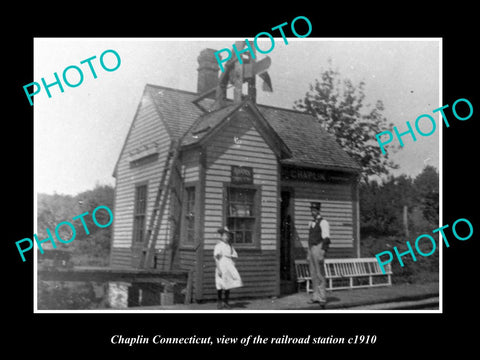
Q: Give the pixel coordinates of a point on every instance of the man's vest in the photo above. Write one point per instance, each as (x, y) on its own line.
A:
(315, 234)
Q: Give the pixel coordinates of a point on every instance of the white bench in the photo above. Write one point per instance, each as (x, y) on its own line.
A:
(360, 272)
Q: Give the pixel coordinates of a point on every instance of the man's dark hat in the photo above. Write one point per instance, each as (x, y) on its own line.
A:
(315, 206)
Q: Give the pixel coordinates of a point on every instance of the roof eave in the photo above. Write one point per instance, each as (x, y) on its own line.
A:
(214, 130)
(320, 167)
(114, 174)
(285, 151)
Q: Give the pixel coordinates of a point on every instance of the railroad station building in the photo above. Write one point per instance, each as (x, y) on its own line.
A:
(251, 167)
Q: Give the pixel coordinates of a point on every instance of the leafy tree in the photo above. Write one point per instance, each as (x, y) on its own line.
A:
(339, 106)
(92, 248)
(381, 205)
(91, 199)
(427, 186)
(95, 246)
(51, 210)
(381, 220)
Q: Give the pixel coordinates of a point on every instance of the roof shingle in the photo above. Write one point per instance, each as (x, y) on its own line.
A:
(309, 143)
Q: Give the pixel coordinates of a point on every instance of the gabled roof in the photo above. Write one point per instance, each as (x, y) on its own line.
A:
(311, 145)
(176, 108)
(208, 124)
(308, 143)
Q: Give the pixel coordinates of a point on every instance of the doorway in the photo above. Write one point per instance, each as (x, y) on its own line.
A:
(287, 281)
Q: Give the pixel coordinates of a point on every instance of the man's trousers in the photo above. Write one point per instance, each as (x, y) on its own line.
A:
(316, 258)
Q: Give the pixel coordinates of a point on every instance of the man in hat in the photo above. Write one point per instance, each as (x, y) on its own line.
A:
(318, 243)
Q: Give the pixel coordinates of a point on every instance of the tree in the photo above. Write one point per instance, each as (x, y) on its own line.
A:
(91, 199)
(52, 210)
(96, 245)
(427, 187)
(87, 249)
(339, 106)
(382, 205)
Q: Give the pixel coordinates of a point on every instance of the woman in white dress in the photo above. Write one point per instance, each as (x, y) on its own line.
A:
(226, 274)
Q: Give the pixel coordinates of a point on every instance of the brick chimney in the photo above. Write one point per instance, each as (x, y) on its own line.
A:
(207, 72)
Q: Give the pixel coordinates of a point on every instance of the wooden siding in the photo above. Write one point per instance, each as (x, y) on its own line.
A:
(187, 261)
(257, 269)
(190, 165)
(241, 144)
(234, 146)
(185, 258)
(147, 129)
(337, 208)
(120, 257)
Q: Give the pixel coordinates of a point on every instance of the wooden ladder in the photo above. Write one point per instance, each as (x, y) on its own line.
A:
(164, 189)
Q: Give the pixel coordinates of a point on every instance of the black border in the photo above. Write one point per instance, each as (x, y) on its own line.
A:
(60, 335)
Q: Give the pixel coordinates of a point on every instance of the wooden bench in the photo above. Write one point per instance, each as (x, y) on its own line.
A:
(358, 272)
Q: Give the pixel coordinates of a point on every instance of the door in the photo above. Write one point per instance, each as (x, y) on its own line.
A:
(286, 228)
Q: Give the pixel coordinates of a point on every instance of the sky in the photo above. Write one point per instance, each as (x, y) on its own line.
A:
(79, 133)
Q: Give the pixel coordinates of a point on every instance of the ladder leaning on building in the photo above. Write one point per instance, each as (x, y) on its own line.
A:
(167, 187)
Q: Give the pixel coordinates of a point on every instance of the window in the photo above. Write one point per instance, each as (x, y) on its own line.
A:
(189, 217)
(241, 214)
(139, 213)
